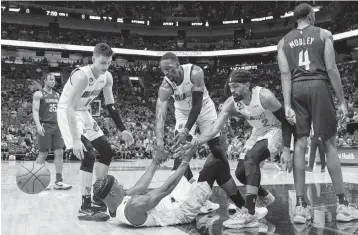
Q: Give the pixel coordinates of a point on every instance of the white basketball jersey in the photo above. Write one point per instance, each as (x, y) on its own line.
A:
(92, 90)
(183, 93)
(155, 217)
(255, 114)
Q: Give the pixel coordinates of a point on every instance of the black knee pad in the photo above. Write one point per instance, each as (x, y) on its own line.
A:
(104, 149)
(215, 170)
(240, 172)
(258, 153)
(89, 156)
(252, 173)
(217, 150)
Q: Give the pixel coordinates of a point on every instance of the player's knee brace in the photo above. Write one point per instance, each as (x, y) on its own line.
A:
(240, 172)
(217, 150)
(104, 149)
(215, 170)
(89, 156)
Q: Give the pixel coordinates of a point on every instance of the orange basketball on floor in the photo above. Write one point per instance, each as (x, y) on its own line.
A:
(33, 178)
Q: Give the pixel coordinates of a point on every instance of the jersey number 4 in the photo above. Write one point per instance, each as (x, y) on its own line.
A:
(304, 60)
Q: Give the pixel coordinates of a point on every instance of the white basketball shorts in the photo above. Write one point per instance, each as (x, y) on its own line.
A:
(273, 136)
(86, 126)
(206, 119)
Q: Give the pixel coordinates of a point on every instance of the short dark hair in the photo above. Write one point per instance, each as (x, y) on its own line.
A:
(170, 56)
(240, 76)
(302, 11)
(102, 49)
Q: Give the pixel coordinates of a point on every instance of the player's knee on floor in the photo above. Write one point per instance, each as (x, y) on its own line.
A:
(217, 150)
(240, 172)
(89, 157)
(104, 149)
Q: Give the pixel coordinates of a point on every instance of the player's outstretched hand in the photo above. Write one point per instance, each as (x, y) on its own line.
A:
(179, 139)
(286, 161)
(189, 153)
(127, 137)
(290, 115)
(78, 149)
(159, 155)
(180, 150)
(41, 130)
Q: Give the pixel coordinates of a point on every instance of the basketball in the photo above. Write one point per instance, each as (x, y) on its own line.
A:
(33, 178)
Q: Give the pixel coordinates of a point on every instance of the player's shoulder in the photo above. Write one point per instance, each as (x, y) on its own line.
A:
(265, 94)
(79, 76)
(38, 95)
(325, 34)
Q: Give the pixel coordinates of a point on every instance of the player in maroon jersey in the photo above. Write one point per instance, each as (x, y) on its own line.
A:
(44, 112)
(306, 59)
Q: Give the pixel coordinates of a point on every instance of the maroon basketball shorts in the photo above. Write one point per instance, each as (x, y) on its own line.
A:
(52, 138)
(312, 100)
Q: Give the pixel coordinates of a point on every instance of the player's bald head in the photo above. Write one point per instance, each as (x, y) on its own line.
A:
(302, 11)
(170, 56)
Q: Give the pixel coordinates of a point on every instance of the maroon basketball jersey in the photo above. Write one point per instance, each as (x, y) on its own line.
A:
(48, 107)
(304, 50)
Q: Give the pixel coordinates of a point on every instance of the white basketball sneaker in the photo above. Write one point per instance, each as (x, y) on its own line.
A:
(62, 186)
(209, 207)
(347, 213)
(242, 218)
(265, 201)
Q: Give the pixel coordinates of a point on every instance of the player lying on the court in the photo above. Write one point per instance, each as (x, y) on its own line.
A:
(193, 107)
(266, 115)
(177, 201)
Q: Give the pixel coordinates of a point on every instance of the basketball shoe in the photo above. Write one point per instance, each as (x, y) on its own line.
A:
(346, 213)
(62, 186)
(98, 205)
(209, 207)
(243, 219)
(265, 201)
(231, 207)
(302, 214)
(91, 214)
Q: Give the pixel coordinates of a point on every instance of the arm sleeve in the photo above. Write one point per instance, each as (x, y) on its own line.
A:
(115, 116)
(195, 109)
(287, 128)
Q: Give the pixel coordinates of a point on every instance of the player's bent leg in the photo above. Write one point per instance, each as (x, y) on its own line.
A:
(265, 198)
(104, 149)
(89, 211)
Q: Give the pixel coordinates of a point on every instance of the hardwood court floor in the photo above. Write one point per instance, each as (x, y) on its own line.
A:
(55, 212)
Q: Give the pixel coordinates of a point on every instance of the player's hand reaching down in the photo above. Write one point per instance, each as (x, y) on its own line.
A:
(179, 139)
(343, 108)
(127, 137)
(184, 150)
(78, 148)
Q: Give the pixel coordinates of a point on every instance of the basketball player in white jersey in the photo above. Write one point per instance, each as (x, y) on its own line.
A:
(81, 132)
(265, 114)
(193, 106)
(177, 201)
